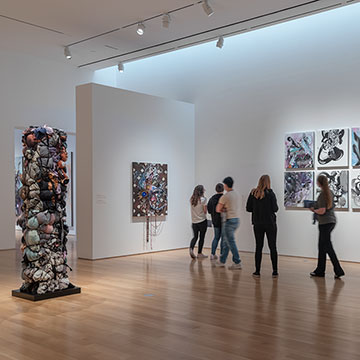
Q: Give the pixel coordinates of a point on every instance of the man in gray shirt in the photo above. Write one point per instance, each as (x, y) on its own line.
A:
(230, 204)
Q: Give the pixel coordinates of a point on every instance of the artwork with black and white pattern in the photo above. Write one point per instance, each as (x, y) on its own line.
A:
(355, 189)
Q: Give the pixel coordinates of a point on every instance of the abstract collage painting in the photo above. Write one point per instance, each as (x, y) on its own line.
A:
(355, 189)
(150, 189)
(355, 147)
(332, 148)
(298, 186)
(299, 150)
(339, 185)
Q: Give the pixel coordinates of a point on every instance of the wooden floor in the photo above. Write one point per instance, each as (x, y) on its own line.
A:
(165, 306)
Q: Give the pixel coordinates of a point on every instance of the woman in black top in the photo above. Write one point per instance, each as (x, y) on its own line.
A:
(324, 210)
(263, 206)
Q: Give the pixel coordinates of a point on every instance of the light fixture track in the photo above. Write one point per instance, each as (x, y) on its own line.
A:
(217, 29)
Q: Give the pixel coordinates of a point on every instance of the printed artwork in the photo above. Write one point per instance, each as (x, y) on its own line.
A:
(332, 148)
(299, 150)
(355, 147)
(355, 189)
(298, 186)
(339, 185)
(150, 189)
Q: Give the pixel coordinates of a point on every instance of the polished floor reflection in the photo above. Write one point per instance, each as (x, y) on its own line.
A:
(165, 306)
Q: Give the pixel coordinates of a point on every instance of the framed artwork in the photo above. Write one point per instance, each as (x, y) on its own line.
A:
(299, 150)
(332, 148)
(298, 186)
(150, 189)
(355, 147)
(355, 189)
(339, 185)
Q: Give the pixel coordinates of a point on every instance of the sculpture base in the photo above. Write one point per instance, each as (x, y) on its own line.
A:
(49, 295)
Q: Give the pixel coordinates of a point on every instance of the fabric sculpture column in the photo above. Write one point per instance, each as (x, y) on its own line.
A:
(44, 186)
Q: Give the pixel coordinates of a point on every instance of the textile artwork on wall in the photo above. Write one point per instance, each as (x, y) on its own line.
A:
(332, 148)
(339, 185)
(298, 186)
(44, 185)
(299, 150)
(150, 189)
(18, 173)
(355, 147)
(355, 189)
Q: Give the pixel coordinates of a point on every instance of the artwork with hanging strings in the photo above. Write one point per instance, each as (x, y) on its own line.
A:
(150, 193)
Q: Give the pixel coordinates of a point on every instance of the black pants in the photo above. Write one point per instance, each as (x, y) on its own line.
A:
(199, 229)
(325, 247)
(271, 232)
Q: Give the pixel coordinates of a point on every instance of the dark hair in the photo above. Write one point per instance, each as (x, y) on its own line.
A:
(219, 188)
(229, 182)
(324, 184)
(197, 194)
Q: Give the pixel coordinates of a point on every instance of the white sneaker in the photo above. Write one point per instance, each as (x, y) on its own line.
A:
(220, 264)
(202, 256)
(235, 267)
(213, 257)
(191, 252)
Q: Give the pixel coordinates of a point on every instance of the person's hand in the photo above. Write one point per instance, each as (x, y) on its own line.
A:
(312, 209)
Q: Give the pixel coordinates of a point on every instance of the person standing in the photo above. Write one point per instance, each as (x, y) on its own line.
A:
(199, 221)
(262, 205)
(229, 204)
(216, 218)
(324, 209)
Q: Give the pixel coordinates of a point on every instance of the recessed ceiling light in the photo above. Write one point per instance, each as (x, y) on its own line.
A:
(140, 29)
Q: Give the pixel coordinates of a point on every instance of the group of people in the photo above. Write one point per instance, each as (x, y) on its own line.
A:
(262, 204)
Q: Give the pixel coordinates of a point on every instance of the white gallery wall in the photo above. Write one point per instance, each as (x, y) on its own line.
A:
(296, 76)
(114, 129)
(32, 91)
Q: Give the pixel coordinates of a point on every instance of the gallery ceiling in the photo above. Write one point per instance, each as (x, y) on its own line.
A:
(42, 28)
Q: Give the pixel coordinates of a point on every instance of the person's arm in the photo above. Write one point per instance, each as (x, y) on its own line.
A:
(210, 206)
(220, 205)
(274, 204)
(320, 211)
(249, 203)
(320, 208)
(203, 202)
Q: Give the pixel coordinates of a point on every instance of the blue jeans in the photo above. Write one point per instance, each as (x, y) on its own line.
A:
(228, 241)
(215, 242)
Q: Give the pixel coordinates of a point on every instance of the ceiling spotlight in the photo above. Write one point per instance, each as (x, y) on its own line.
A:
(207, 8)
(141, 28)
(166, 21)
(67, 53)
(220, 42)
(121, 67)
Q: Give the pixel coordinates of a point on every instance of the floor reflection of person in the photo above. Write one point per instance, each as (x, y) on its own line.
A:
(324, 209)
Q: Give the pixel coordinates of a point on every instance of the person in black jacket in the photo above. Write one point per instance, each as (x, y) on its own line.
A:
(263, 206)
(216, 218)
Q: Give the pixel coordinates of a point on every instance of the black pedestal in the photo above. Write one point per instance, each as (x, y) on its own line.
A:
(49, 295)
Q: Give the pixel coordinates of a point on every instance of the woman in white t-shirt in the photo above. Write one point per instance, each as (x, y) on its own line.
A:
(199, 220)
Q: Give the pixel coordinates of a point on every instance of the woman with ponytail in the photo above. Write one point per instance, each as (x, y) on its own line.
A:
(263, 206)
(324, 210)
(199, 220)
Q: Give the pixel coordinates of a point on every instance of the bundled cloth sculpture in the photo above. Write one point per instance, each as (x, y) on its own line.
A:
(44, 186)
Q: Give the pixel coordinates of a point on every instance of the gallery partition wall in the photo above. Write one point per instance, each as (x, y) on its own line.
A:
(118, 133)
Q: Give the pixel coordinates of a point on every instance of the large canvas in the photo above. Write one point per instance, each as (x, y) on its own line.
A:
(299, 150)
(332, 148)
(355, 147)
(339, 185)
(150, 189)
(298, 186)
(355, 189)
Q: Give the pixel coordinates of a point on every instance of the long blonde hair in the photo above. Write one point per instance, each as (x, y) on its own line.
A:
(324, 184)
(264, 184)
